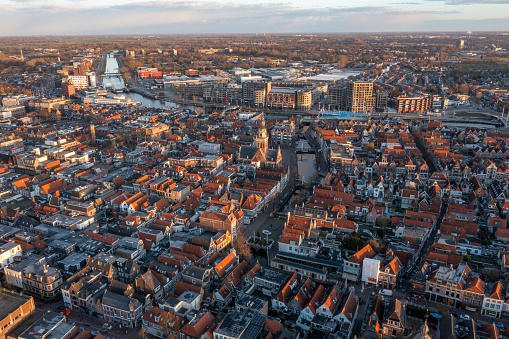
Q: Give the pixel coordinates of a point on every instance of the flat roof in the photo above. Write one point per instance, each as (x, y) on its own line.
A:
(283, 90)
(10, 302)
(309, 259)
(300, 266)
(273, 275)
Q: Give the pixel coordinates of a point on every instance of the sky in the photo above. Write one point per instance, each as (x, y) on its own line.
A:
(64, 17)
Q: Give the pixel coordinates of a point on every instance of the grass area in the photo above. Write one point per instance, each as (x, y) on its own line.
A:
(470, 115)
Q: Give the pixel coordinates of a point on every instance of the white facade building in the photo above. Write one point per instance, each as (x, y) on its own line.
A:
(370, 271)
(8, 252)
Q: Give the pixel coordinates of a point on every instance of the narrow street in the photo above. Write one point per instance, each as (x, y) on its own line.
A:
(88, 322)
(429, 242)
(361, 313)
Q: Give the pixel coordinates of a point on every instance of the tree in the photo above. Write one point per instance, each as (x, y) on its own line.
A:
(168, 322)
(127, 77)
(382, 222)
(241, 247)
(492, 275)
(370, 146)
(354, 242)
(375, 245)
(342, 61)
(463, 89)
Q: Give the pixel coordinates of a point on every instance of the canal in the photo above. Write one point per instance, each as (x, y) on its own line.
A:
(114, 81)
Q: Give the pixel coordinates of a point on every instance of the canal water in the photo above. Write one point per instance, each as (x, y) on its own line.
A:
(147, 102)
(115, 81)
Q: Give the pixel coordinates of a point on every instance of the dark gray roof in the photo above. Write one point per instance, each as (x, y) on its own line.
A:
(118, 301)
(247, 152)
(271, 155)
(26, 221)
(195, 272)
(451, 328)
(251, 302)
(42, 327)
(234, 324)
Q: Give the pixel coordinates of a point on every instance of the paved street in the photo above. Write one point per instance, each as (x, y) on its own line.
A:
(363, 302)
(88, 322)
(264, 220)
(322, 164)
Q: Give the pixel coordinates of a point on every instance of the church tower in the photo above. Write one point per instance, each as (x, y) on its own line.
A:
(262, 139)
(92, 134)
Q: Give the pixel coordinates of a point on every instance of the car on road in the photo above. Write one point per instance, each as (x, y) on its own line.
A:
(499, 325)
(266, 232)
(464, 317)
(107, 326)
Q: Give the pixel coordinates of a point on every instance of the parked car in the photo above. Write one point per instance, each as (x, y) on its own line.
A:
(499, 325)
(464, 317)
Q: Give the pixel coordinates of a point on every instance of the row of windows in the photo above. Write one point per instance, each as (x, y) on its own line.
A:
(493, 306)
(473, 301)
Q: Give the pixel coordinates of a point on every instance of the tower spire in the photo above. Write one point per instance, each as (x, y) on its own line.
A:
(262, 139)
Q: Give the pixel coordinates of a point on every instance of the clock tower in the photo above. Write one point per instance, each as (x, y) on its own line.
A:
(262, 139)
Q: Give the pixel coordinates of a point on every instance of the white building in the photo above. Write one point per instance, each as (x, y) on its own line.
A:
(209, 148)
(79, 81)
(14, 272)
(83, 81)
(493, 301)
(14, 111)
(370, 271)
(8, 253)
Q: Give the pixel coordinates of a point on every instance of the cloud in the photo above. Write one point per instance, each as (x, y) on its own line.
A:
(182, 17)
(473, 2)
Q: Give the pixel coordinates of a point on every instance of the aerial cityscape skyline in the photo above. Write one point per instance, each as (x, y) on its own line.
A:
(63, 17)
(226, 169)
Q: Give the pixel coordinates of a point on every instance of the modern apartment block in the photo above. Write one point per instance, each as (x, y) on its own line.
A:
(357, 97)
(289, 98)
(419, 104)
